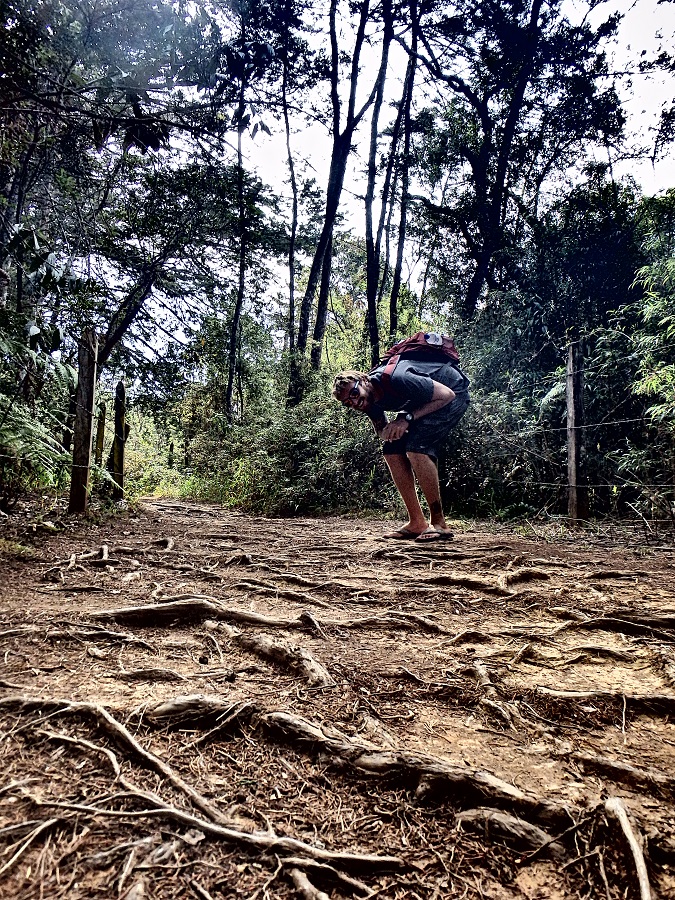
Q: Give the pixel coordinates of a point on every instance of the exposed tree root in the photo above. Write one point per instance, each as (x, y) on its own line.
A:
(602, 574)
(190, 609)
(80, 633)
(665, 663)
(196, 607)
(615, 770)
(395, 619)
(662, 703)
(119, 734)
(491, 699)
(276, 591)
(295, 658)
(328, 874)
(616, 809)
(656, 621)
(436, 777)
(563, 612)
(96, 634)
(522, 835)
(470, 636)
(515, 576)
(152, 674)
(473, 582)
(606, 652)
(305, 887)
(625, 626)
(258, 841)
(198, 710)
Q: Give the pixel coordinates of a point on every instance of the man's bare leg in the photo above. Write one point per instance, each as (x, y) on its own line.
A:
(402, 473)
(426, 472)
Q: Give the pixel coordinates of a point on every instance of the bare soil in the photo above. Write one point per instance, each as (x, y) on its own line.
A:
(197, 703)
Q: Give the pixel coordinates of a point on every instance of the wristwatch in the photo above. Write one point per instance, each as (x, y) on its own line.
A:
(407, 417)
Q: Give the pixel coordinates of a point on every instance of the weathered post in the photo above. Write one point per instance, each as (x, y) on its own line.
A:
(83, 422)
(117, 454)
(100, 434)
(577, 491)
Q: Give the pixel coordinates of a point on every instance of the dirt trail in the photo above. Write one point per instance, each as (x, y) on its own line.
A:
(196, 703)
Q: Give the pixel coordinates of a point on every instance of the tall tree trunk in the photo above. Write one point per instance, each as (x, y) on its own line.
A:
(495, 193)
(241, 282)
(432, 251)
(386, 228)
(322, 307)
(342, 141)
(294, 212)
(372, 257)
(405, 179)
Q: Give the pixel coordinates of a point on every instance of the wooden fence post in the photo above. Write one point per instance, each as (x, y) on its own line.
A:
(117, 453)
(100, 434)
(577, 491)
(87, 355)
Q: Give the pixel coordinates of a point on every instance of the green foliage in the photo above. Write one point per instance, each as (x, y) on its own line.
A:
(128, 207)
(148, 467)
(34, 391)
(655, 340)
(310, 459)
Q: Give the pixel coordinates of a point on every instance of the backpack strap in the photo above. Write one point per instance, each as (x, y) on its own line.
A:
(389, 370)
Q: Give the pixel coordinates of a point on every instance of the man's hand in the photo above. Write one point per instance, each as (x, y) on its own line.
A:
(394, 430)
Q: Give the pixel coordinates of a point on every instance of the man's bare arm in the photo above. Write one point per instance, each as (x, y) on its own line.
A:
(441, 396)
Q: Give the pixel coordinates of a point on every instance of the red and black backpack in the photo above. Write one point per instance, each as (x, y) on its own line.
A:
(424, 346)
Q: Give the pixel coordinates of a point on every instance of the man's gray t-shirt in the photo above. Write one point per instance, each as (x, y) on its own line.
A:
(411, 384)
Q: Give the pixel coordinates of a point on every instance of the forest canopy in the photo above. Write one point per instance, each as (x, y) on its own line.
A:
(161, 184)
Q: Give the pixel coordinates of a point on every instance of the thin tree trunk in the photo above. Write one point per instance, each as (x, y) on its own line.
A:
(389, 188)
(322, 307)
(294, 213)
(241, 283)
(372, 256)
(83, 424)
(405, 179)
(116, 463)
(342, 141)
(386, 269)
(432, 250)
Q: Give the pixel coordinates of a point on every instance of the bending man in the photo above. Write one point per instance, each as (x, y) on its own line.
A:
(430, 399)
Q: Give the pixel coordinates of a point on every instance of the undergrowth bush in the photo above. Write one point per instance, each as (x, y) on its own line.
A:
(313, 458)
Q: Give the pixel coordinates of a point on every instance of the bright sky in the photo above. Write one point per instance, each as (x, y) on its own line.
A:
(647, 26)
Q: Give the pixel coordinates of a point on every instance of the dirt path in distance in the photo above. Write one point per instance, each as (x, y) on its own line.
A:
(197, 703)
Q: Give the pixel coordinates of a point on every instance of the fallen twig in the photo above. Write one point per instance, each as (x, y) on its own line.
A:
(616, 809)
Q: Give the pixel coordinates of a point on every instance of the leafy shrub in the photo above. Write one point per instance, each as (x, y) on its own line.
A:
(312, 458)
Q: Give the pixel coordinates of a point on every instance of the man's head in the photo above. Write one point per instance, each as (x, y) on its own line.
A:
(353, 389)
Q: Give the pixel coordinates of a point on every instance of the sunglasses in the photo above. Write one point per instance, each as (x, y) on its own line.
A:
(353, 394)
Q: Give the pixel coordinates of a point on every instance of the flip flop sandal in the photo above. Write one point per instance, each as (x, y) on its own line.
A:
(402, 534)
(431, 536)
